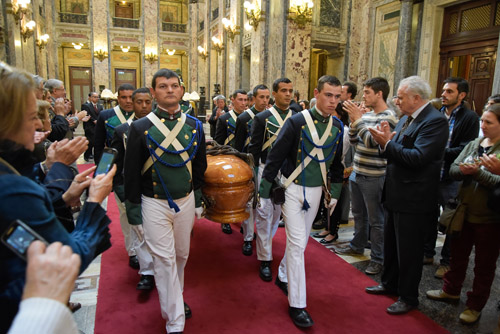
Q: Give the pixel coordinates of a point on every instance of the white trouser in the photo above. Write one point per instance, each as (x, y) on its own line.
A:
(267, 219)
(130, 238)
(247, 225)
(298, 228)
(145, 258)
(167, 235)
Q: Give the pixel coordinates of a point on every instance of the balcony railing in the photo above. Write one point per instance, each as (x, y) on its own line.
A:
(125, 23)
(73, 18)
(173, 27)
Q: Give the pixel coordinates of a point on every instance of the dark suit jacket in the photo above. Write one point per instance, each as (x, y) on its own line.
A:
(414, 163)
(466, 128)
(89, 126)
(213, 121)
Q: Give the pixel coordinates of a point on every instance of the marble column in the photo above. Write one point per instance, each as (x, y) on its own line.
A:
(298, 56)
(496, 78)
(193, 57)
(257, 56)
(100, 25)
(151, 32)
(277, 41)
(234, 49)
(402, 66)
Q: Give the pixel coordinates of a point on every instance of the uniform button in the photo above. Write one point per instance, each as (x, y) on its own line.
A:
(163, 120)
(187, 194)
(186, 136)
(194, 131)
(156, 196)
(146, 132)
(315, 121)
(299, 151)
(303, 127)
(195, 143)
(296, 181)
(155, 184)
(190, 180)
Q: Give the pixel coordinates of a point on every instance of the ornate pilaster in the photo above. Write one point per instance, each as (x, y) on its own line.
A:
(151, 33)
(100, 23)
(298, 56)
(402, 67)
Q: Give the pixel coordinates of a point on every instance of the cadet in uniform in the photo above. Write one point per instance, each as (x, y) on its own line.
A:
(142, 106)
(265, 129)
(308, 145)
(105, 126)
(242, 136)
(225, 129)
(164, 168)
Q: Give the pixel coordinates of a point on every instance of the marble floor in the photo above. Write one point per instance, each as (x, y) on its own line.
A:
(446, 315)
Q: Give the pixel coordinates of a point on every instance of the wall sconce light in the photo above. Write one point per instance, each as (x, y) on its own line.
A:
(300, 12)
(169, 52)
(231, 28)
(77, 46)
(254, 14)
(101, 54)
(151, 57)
(125, 48)
(202, 52)
(27, 30)
(217, 44)
(19, 9)
(42, 41)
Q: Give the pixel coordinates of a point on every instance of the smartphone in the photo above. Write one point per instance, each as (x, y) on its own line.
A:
(19, 236)
(107, 159)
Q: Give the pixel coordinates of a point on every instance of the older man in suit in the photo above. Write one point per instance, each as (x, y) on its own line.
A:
(93, 108)
(414, 158)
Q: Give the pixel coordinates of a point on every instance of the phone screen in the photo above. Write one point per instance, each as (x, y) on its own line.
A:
(105, 163)
(20, 239)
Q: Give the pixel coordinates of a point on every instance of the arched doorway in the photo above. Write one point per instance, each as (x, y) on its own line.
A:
(468, 47)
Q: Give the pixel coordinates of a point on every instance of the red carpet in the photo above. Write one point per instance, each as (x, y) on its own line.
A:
(226, 295)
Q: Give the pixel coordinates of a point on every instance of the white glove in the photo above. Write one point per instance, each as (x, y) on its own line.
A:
(198, 212)
(331, 205)
(139, 231)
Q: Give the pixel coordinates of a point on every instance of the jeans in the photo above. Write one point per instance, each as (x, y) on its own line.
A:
(368, 212)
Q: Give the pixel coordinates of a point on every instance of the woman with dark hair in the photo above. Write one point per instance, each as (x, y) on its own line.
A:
(481, 227)
(24, 198)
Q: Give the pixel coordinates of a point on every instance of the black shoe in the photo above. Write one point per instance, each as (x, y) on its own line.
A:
(247, 248)
(300, 317)
(147, 282)
(73, 307)
(379, 290)
(324, 241)
(281, 223)
(265, 271)
(282, 285)
(400, 307)
(226, 228)
(133, 262)
(187, 311)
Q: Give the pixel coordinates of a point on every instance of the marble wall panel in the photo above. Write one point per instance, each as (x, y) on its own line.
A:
(360, 42)
(298, 57)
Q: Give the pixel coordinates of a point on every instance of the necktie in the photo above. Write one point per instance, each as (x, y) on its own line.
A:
(405, 126)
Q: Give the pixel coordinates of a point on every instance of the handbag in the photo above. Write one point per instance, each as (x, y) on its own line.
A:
(277, 194)
(452, 218)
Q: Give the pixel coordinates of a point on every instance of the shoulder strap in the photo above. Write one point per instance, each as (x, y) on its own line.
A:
(315, 151)
(170, 138)
(280, 121)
